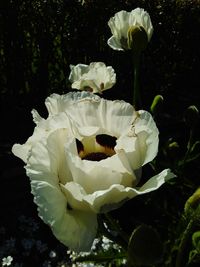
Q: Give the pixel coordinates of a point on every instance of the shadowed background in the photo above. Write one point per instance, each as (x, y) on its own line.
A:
(39, 39)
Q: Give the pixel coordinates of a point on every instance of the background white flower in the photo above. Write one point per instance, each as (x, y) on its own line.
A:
(85, 158)
(7, 261)
(95, 77)
(122, 22)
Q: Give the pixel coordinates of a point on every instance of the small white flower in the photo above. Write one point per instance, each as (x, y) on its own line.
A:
(95, 77)
(121, 23)
(52, 254)
(86, 158)
(7, 261)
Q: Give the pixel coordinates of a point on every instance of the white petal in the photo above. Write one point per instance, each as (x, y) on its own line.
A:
(77, 71)
(48, 155)
(47, 168)
(42, 130)
(156, 181)
(115, 44)
(119, 24)
(75, 229)
(140, 142)
(113, 116)
(147, 124)
(60, 103)
(113, 197)
(36, 117)
(119, 194)
(21, 151)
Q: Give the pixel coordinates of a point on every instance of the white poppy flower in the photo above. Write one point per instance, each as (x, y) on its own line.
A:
(84, 159)
(95, 77)
(122, 22)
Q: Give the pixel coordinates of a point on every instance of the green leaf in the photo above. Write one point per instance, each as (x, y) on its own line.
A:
(145, 247)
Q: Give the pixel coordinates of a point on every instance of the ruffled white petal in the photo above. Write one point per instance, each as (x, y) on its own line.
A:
(90, 110)
(21, 151)
(36, 116)
(116, 194)
(60, 103)
(140, 142)
(47, 169)
(115, 43)
(77, 71)
(75, 229)
(42, 130)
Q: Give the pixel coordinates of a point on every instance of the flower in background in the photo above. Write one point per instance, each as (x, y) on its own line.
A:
(7, 261)
(85, 159)
(95, 77)
(130, 30)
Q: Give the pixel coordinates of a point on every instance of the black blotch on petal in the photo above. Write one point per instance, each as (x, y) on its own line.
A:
(95, 156)
(106, 140)
(79, 146)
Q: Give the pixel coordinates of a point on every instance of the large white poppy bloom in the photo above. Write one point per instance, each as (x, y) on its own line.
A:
(84, 159)
(95, 77)
(122, 22)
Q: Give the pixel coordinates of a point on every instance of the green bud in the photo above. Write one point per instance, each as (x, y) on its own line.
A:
(137, 38)
(193, 201)
(192, 116)
(158, 100)
(173, 149)
(196, 240)
(145, 246)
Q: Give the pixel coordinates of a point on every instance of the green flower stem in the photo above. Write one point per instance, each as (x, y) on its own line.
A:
(136, 87)
(183, 244)
(194, 221)
(189, 147)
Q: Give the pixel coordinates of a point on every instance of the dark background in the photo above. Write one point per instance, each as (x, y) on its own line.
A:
(39, 39)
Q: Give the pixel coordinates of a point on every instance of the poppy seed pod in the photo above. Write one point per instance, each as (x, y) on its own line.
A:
(137, 38)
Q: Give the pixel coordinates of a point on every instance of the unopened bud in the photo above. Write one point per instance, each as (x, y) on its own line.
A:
(158, 100)
(173, 149)
(192, 116)
(137, 38)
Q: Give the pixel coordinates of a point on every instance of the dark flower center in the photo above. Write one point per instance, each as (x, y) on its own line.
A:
(103, 149)
(106, 140)
(95, 156)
